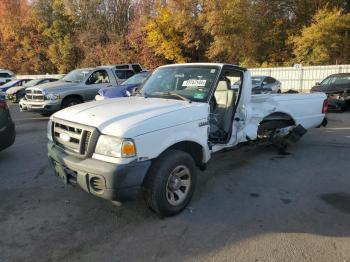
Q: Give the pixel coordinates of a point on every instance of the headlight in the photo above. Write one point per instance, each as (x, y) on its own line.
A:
(52, 96)
(49, 130)
(115, 147)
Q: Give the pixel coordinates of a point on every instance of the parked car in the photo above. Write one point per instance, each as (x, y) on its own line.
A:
(337, 88)
(76, 87)
(124, 89)
(6, 76)
(13, 83)
(7, 127)
(266, 82)
(157, 140)
(18, 92)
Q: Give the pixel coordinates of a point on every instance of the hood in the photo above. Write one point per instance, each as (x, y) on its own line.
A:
(57, 86)
(15, 89)
(133, 116)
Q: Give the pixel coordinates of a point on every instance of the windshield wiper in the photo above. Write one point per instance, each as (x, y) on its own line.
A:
(176, 95)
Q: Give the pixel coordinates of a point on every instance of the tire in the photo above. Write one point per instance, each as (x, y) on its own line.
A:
(163, 183)
(19, 96)
(71, 101)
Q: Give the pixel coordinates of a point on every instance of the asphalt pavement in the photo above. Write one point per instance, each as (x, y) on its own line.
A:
(251, 204)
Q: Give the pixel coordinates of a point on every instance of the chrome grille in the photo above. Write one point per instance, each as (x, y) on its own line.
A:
(72, 137)
(34, 95)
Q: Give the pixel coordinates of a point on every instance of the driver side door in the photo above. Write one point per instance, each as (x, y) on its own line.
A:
(223, 130)
(97, 80)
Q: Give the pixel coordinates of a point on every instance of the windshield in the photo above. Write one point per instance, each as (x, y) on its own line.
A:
(136, 79)
(77, 75)
(181, 82)
(9, 84)
(32, 83)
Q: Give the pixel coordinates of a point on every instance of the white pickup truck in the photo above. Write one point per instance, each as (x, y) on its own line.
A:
(157, 140)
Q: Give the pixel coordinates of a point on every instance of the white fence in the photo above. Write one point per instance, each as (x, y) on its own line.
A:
(303, 78)
(39, 76)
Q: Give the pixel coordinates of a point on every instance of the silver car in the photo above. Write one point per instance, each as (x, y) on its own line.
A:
(266, 83)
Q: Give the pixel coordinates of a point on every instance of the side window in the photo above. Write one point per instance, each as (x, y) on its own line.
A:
(129, 73)
(230, 83)
(5, 75)
(270, 80)
(98, 77)
(342, 80)
(137, 68)
(44, 81)
(124, 74)
(122, 67)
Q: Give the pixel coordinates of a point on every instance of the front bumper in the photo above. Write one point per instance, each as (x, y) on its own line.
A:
(46, 106)
(102, 179)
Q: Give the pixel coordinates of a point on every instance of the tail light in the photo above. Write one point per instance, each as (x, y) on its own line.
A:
(3, 105)
(325, 106)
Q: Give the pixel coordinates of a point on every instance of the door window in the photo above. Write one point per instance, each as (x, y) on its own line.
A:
(124, 74)
(98, 77)
(342, 80)
(137, 68)
(270, 80)
(223, 104)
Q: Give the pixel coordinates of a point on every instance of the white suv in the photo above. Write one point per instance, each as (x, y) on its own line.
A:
(6, 76)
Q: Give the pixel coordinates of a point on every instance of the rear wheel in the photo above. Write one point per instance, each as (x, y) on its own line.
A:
(71, 101)
(170, 183)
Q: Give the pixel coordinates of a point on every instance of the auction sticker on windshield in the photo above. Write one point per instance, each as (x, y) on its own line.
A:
(198, 95)
(194, 82)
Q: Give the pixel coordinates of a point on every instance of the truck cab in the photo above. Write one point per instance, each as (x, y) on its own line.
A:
(155, 143)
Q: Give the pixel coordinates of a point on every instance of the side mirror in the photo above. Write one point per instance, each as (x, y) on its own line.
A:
(318, 83)
(264, 83)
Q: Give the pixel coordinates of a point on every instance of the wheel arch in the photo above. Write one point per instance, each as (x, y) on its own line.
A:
(279, 116)
(194, 149)
(276, 120)
(72, 96)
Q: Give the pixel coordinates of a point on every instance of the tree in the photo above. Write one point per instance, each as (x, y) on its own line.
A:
(22, 47)
(228, 23)
(176, 31)
(326, 40)
(61, 51)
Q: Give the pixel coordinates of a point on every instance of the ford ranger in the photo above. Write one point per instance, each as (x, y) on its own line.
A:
(156, 141)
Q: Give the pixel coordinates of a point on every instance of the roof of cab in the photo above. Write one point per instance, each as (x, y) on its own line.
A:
(221, 65)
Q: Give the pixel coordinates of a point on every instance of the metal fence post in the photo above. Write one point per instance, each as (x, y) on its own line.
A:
(301, 80)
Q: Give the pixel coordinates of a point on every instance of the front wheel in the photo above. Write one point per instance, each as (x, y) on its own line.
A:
(170, 183)
(71, 101)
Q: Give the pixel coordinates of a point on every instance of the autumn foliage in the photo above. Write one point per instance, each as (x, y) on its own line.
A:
(50, 36)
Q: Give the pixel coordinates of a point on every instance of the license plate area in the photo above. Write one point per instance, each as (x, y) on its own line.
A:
(67, 176)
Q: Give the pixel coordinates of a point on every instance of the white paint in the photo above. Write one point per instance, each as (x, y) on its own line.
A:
(155, 124)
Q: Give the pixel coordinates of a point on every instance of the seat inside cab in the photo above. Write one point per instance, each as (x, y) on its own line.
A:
(222, 107)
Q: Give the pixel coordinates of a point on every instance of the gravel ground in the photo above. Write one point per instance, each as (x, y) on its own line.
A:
(251, 204)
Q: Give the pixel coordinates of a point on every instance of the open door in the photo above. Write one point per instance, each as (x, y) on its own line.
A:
(223, 105)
